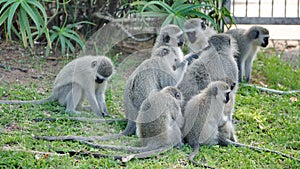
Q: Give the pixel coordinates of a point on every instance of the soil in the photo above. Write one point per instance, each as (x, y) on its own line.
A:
(20, 66)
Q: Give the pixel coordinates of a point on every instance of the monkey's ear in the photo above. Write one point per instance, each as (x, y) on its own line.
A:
(214, 91)
(166, 38)
(254, 34)
(93, 64)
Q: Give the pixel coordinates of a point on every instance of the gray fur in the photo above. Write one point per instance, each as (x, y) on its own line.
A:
(214, 63)
(153, 74)
(159, 123)
(198, 34)
(248, 42)
(204, 117)
(84, 76)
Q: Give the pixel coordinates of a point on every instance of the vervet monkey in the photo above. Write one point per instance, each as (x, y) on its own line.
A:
(198, 34)
(214, 63)
(84, 76)
(207, 124)
(248, 42)
(204, 115)
(164, 68)
(161, 70)
(159, 124)
(172, 36)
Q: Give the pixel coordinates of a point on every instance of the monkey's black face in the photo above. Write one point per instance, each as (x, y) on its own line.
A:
(180, 40)
(227, 97)
(99, 80)
(232, 85)
(265, 42)
(192, 36)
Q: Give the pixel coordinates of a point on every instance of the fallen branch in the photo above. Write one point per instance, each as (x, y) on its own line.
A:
(32, 151)
(13, 68)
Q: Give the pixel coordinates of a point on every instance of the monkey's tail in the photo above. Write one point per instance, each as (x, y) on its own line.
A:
(118, 148)
(79, 138)
(193, 154)
(48, 99)
(272, 90)
(119, 157)
(262, 149)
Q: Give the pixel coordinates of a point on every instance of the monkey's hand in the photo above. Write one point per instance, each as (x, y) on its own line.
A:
(191, 57)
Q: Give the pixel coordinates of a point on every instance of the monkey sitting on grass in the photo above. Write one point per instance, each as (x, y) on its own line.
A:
(205, 122)
(84, 76)
(159, 124)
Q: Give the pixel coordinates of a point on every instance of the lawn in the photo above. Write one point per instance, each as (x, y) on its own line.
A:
(262, 119)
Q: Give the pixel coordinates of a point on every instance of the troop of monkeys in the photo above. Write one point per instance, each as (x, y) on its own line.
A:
(170, 98)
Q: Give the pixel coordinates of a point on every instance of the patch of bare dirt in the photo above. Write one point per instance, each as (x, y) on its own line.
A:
(19, 66)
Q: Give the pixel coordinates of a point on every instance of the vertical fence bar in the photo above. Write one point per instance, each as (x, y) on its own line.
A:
(233, 5)
(285, 8)
(298, 9)
(272, 14)
(246, 8)
(259, 7)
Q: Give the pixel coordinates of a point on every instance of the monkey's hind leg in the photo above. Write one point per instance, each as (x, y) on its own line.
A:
(74, 99)
(192, 156)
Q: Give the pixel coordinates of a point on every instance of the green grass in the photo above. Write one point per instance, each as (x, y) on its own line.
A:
(266, 120)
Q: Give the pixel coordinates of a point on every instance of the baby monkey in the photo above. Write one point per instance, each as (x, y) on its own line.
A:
(84, 76)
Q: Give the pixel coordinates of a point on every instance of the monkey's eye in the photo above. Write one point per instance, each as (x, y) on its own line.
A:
(177, 96)
(164, 52)
(232, 86)
(203, 26)
(266, 39)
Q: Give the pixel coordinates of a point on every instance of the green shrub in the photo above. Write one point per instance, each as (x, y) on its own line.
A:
(178, 11)
(64, 37)
(27, 19)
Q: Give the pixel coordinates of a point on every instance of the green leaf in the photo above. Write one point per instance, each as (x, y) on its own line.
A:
(32, 15)
(53, 36)
(62, 40)
(75, 37)
(177, 4)
(168, 20)
(180, 21)
(155, 14)
(159, 3)
(27, 26)
(71, 46)
(12, 11)
(202, 15)
(4, 16)
(22, 29)
(7, 4)
(185, 9)
(41, 8)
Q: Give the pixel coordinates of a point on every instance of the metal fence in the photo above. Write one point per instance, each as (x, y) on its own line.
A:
(272, 12)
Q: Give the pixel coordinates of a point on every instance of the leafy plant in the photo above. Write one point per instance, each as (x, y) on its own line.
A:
(65, 37)
(26, 18)
(179, 11)
(220, 13)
